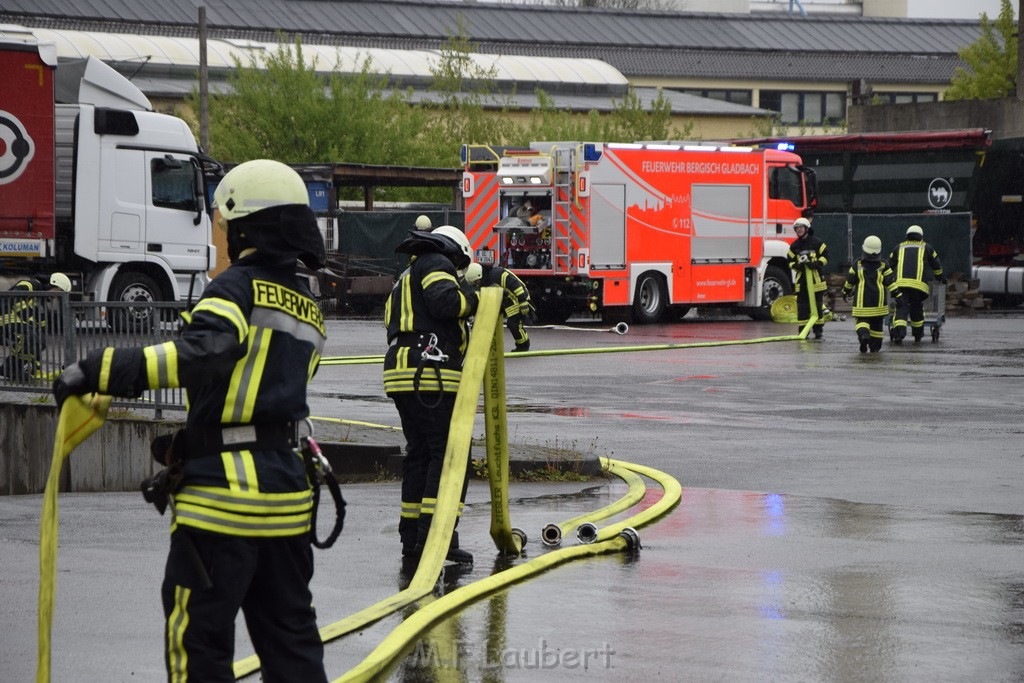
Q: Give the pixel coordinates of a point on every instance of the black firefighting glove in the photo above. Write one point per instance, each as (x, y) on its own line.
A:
(71, 382)
(846, 296)
(528, 312)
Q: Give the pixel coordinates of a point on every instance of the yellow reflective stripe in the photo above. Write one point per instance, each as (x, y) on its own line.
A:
(436, 276)
(245, 379)
(428, 505)
(161, 365)
(404, 379)
(223, 522)
(239, 470)
(250, 502)
(228, 310)
(869, 311)
(410, 510)
(104, 379)
(259, 364)
(406, 322)
(177, 623)
(314, 362)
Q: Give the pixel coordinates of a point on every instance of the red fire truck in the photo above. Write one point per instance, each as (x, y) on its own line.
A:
(642, 230)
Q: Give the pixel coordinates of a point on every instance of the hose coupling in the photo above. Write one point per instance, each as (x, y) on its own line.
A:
(632, 538)
(551, 535)
(586, 533)
(620, 328)
(519, 534)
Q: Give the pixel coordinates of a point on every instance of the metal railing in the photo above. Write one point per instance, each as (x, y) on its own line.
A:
(42, 332)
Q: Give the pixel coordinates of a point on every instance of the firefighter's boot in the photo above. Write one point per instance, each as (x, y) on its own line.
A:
(818, 330)
(863, 336)
(525, 346)
(918, 333)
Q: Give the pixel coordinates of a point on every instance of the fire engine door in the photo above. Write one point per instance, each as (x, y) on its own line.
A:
(607, 226)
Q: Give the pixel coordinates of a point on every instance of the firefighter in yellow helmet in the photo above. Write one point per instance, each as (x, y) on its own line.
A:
(427, 319)
(909, 260)
(516, 304)
(869, 279)
(807, 258)
(240, 491)
(23, 325)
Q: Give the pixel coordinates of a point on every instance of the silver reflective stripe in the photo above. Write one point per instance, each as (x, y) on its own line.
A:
(236, 456)
(160, 354)
(225, 309)
(234, 500)
(253, 524)
(247, 372)
(289, 324)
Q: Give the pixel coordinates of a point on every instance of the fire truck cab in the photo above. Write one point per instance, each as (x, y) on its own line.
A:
(641, 230)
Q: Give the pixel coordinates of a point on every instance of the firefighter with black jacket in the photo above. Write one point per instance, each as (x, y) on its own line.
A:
(23, 326)
(909, 259)
(241, 512)
(427, 320)
(869, 279)
(516, 304)
(807, 258)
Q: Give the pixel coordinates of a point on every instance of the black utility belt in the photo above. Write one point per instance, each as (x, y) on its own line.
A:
(208, 440)
(415, 339)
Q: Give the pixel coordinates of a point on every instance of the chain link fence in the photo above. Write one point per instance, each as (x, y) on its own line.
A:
(41, 332)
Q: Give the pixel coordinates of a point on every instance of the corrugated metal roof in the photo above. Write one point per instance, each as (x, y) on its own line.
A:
(533, 24)
(402, 64)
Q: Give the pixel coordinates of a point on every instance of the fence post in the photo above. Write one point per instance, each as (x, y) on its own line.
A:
(68, 327)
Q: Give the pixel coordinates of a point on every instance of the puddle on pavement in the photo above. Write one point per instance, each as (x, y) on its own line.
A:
(750, 586)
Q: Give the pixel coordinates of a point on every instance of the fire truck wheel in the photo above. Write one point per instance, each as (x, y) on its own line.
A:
(776, 284)
(650, 299)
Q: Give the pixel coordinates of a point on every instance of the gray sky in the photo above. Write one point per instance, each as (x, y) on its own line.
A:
(955, 9)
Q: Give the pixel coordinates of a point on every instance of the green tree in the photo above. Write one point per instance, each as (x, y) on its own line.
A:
(282, 108)
(465, 102)
(991, 60)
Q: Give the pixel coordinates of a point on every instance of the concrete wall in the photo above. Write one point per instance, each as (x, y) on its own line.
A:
(115, 458)
(1004, 117)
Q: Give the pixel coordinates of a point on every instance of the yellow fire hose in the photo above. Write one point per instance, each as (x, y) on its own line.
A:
(362, 360)
(509, 541)
(615, 538)
(551, 534)
(448, 494)
(79, 417)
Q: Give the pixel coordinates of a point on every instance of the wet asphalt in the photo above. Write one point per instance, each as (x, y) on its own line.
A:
(844, 516)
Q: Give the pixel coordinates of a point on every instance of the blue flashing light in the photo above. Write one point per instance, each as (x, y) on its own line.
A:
(590, 152)
(464, 154)
(786, 147)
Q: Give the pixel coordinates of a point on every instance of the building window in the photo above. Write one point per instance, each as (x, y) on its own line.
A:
(734, 96)
(904, 97)
(813, 108)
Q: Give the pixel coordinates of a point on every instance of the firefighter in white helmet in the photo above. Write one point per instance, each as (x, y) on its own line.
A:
(516, 303)
(909, 259)
(807, 257)
(242, 512)
(423, 223)
(427, 320)
(869, 279)
(23, 325)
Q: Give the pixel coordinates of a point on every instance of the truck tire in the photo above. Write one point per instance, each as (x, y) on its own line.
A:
(776, 284)
(650, 300)
(137, 289)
